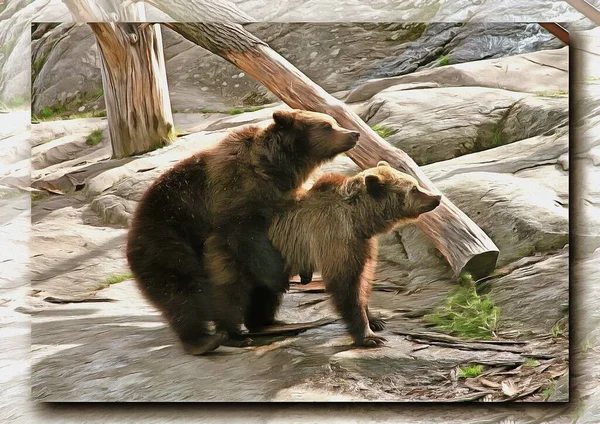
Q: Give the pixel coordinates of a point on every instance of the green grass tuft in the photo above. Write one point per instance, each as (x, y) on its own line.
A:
(465, 313)
(471, 371)
(497, 139)
(559, 328)
(99, 92)
(38, 195)
(59, 111)
(558, 93)
(549, 391)
(531, 363)
(94, 138)
(116, 278)
(383, 131)
(81, 115)
(444, 60)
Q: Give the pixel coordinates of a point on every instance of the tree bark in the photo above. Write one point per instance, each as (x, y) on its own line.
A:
(466, 247)
(133, 77)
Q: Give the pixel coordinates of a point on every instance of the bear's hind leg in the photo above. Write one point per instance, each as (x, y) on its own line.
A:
(174, 280)
(189, 317)
(348, 281)
(262, 308)
(230, 288)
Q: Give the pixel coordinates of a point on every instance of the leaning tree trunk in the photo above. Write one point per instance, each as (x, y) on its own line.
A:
(133, 77)
(460, 240)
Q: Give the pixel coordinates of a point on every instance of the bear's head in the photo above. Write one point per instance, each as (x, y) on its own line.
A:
(392, 196)
(314, 136)
(296, 143)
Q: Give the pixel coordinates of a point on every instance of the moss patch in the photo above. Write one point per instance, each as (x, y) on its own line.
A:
(7, 48)
(16, 102)
(549, 391)
(115, 279)
(465, 313)
(444, 60)
(497, 139)
(60, 110)
(559, 93)
(94, 138)
(383, 131)
(531, 363)
(471, 371)
(39, 195)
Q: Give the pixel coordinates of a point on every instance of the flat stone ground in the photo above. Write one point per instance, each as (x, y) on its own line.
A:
(122, 350)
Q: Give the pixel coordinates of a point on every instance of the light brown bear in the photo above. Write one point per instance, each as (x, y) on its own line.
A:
(333, 228)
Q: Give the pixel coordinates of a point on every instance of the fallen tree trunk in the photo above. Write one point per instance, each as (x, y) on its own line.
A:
(460, 240)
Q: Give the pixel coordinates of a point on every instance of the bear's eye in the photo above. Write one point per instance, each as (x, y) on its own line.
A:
(414, 189)
(327, 126)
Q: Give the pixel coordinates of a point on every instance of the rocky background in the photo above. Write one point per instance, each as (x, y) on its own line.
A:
(66, 74)
(483, 107)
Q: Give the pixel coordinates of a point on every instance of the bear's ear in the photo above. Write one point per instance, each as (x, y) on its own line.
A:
(283, 118)
(374, 184)
(382, 163)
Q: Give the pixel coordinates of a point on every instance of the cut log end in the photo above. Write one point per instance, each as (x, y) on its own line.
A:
(481, 265)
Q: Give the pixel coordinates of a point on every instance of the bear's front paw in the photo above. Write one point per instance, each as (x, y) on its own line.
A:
(306, 278)
(204, 344)
(238, 342)
(371, 340)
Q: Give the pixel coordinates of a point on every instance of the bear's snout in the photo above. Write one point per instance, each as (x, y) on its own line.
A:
(352, 139)
(432, 202)
(435, 202)
(427, 202)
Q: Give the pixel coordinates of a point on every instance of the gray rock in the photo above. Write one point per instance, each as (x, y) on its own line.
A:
(369, 10)
(441, 123)
(521, 216)
(62, 150)
(68, 70)
(512, 158)
(533, 116)
(481, 184)
(452, 43)
(544, 284)
(15, 29)
(537, 72)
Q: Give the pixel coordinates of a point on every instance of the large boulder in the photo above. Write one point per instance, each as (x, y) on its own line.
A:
(66, 70)
(436, 124)
(537, 72)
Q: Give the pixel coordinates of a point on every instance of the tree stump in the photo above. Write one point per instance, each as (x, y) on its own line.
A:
(134, 77)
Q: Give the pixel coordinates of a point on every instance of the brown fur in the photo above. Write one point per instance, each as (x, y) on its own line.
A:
(197, 244)
(334, 227)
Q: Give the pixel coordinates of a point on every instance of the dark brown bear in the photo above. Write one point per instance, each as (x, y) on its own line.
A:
(333, 228)
(198, 245)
